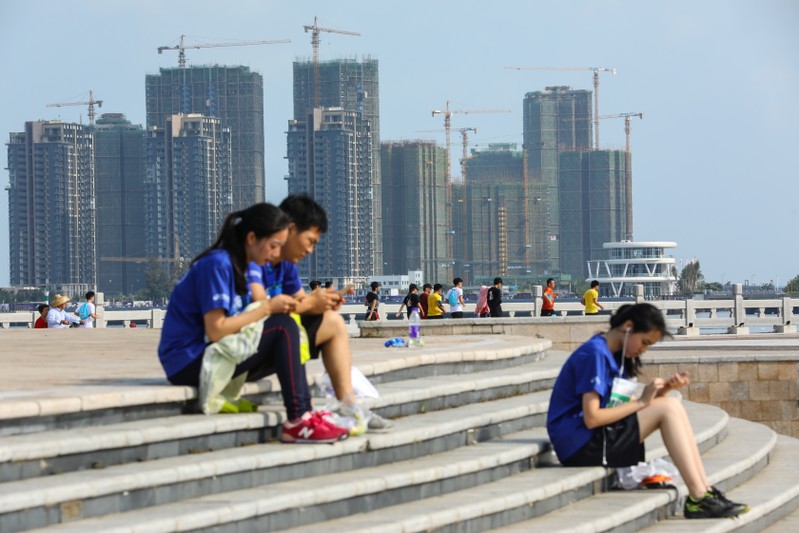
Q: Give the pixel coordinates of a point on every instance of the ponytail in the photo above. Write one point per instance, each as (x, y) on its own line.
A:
(262, 219)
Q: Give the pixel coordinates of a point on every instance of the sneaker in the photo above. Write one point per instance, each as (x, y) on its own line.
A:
(312, 429)
(709, 506)
(360, 415)
(378, 423)
(742, 507)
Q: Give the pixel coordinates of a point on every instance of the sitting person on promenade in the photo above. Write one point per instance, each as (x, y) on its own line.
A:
(41, 322)
(327, 332)
(57, 317)
(208, 303)
(586, 431)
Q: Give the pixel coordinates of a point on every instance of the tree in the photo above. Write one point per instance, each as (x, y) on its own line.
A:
(158, 284)
(792, 287)
(691, 279)
(714, 286)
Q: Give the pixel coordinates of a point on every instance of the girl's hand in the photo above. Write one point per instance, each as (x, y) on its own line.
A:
(652, 390)
(676, 381)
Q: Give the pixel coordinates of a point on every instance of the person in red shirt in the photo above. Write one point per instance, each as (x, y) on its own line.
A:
(548, 307)
(41, 322)
(426, 288)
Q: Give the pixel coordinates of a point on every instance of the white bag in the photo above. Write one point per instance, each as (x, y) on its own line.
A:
(632, 477)
(361, 385)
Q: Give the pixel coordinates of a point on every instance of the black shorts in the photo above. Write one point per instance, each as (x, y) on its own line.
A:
(621, 441)
(547, 312)
(457, 314)
(436, 317)
(311, 324)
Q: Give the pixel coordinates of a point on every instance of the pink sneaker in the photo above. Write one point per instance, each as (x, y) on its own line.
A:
(312, 428)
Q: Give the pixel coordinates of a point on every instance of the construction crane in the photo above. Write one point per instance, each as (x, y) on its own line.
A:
(181, 47)
(596, 71)
(315, 29)
(90, 103)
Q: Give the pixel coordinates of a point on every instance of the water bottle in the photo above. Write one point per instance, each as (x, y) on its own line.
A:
(414, 332)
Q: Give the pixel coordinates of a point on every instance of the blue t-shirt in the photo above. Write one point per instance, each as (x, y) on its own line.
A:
(283, 278)
(208, 284)
(590, 368)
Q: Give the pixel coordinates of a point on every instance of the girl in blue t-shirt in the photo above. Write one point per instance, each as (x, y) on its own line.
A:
(585, 431)
(208, 303)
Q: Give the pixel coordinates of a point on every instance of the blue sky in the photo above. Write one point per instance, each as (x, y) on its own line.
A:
(714, 164)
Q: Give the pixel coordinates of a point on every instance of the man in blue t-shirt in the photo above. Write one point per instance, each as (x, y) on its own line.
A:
(280, 281)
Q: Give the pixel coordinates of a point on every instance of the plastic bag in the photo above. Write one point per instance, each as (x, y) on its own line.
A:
(361, 386)
(657, 472)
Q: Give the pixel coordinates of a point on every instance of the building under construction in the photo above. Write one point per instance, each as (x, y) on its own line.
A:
(120, 171)
(51, 207)
(333, 153)
(556, 119)
(188, 186)
(415, 214)
(593, 207)
(235, 95)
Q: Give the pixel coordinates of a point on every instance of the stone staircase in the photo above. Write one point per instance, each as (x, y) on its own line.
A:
(468, 452)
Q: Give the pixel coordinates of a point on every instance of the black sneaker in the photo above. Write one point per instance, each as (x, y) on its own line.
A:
(742, 507)
(708, 507)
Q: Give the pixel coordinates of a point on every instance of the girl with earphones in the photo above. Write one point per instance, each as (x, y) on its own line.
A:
(587, 429)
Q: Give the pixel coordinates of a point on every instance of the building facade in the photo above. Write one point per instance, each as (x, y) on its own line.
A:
(593, 206)
(189, 186)
(629, 263)
(415, 211)
(51, 212)
(333, 153)
(235, 95)
(120, 172)
(556, 119)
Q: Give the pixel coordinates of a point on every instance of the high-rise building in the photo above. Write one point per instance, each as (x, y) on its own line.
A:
(51, 207)
(415, 227)
(495, 214)
(556, 119)
(120, 172)
(235, 95)
(188, 187)
(593, 207)
(333, 154)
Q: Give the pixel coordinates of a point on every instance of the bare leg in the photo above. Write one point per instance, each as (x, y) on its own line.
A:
(334, 343)
(668, 415)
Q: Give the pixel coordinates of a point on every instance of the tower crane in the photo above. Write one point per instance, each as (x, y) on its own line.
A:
(90, 103)
(596, 71)
(181, 47)
(628, 176)
(315, 29)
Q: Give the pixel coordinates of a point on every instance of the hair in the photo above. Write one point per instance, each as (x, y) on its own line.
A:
(497, 280)
(437, 287)
(328, 284)
(550, 279)
(262, 219)
(42, 307)
(89, 294)
(645, 318)
(427, 286)
(412, 287)
(594, 284)
(456, 281)
(374, 285)
(314, 284)
(305, 212)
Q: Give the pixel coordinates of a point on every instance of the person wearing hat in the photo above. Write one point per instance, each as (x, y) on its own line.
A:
(58, 317)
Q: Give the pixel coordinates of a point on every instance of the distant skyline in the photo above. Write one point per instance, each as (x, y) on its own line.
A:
(713, 158)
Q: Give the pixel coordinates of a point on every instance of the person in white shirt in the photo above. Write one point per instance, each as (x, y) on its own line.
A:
(58, 317)
(455, 300)
(86, 311)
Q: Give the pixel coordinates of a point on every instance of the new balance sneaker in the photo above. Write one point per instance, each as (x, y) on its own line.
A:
(312, 428)
(377, 423)
(742, 507)
(710, 506)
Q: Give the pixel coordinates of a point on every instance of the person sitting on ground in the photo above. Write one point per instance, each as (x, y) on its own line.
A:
(314, 284)
(325, 327)
(586, 431)
(410, 301)
(208, 303)
(435, 309)
(86, 311)
(41, 322)
(57, 317)
(591, 299)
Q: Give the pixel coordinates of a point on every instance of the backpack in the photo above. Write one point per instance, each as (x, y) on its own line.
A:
(452, 297)
(83, 311)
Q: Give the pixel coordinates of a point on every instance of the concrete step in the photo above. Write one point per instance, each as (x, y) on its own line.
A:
(27, 503)
(742, 455)
(52, 452)
(789, 524)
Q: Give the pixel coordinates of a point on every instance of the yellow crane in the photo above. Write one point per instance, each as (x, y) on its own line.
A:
(91, 102)
(181, 47)
(315, 29)
(596, 71)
